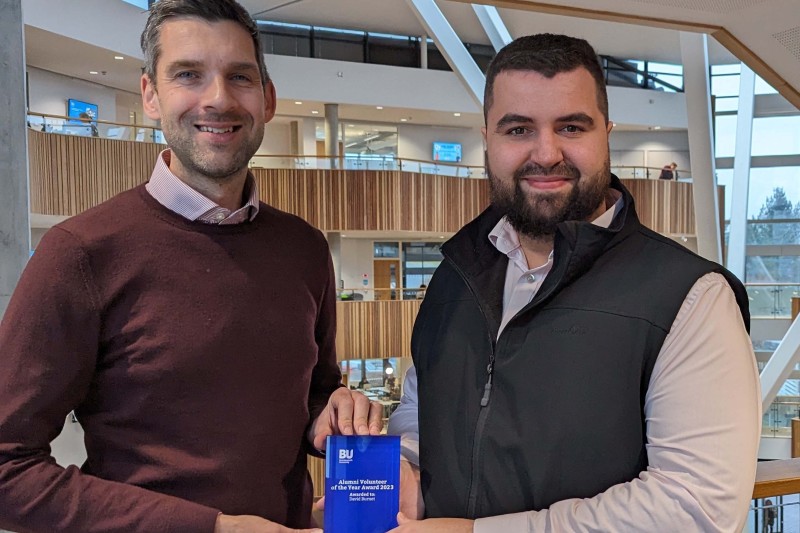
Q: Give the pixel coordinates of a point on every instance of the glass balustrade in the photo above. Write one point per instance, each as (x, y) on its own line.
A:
(771, 300)
(776, 514)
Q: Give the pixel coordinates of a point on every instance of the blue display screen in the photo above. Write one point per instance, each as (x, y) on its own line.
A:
(446, 151)
(82, 111)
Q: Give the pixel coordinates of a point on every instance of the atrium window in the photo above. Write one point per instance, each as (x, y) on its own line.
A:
(776, 135)
(420, 260)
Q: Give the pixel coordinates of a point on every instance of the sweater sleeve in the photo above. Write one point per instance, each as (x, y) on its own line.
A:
(326, 376)
(48, 352)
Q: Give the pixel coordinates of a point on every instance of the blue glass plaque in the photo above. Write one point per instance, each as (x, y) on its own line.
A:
(362, 484)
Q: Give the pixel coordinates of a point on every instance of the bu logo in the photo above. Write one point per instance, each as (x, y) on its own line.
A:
(346, 454)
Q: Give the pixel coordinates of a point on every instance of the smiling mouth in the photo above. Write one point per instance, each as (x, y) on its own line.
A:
(209, 129)
(546, 179)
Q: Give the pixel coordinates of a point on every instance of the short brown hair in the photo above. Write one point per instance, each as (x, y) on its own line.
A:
(548, 54)
(208, 10)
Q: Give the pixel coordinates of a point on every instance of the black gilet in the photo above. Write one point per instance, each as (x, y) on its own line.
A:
(564, 417)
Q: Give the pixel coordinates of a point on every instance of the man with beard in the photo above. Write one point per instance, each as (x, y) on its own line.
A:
(573, 370)
(188, 325)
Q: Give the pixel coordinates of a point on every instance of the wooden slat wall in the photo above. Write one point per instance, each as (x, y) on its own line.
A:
(664, 206)
(375, 330)
(340, 200)
(70, 174)
(316, 467)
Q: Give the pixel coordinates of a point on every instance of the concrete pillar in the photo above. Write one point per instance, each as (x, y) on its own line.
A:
(737, 242)
(15, 233)
(295, 138)
(694, 53)
(332, 133)
(423, 51)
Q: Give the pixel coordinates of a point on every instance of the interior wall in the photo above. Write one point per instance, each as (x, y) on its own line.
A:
(356, 260)
(650, 148)
(277, 139)
(49, 92)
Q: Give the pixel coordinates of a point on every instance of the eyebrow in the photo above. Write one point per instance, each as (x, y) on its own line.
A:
(582, 118)
(512, 118)
(183, 63)
(190, 63)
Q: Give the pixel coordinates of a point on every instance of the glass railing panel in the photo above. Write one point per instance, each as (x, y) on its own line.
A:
(410, 166)
(771, 300)
(652, 173)
(100, 129)
(777, 514)
(777, 421)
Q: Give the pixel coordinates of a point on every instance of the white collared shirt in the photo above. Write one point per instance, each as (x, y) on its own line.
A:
(522, 281)
(171, 192)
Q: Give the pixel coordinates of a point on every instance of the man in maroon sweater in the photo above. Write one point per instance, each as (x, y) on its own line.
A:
(189, 326)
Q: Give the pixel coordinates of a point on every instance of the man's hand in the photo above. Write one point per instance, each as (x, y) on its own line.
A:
(347, 413)
(432, 525)
(253, 524)
(411, 504)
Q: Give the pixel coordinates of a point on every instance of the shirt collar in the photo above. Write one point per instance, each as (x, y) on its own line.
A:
(506, 239)
(171, 192)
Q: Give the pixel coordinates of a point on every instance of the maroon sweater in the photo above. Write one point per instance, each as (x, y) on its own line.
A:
(195, 357)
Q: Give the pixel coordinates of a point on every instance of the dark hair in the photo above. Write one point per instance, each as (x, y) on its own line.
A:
(548, 54)
(209, 10)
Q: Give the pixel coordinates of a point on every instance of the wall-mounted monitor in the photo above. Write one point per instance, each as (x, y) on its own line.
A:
(83, 112)
(447, 151)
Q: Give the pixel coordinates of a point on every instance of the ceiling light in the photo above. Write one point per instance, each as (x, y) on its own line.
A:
(441, 236)
(120, 58)
(298, 103)
(403, 120)
(92, 72)
(378, 107)
(456, 114)
(315, 112)
(350, 126)
(656, 127)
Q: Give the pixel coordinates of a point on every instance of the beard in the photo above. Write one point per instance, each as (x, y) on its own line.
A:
(537, 215)
(209, 161)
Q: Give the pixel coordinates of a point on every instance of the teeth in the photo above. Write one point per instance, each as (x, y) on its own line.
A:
(216, 130)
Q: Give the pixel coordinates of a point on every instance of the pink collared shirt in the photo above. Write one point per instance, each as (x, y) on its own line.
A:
(177, 196)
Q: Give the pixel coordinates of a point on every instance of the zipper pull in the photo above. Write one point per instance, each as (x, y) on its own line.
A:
(487, 389)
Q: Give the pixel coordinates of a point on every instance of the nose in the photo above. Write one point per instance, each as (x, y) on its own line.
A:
(546, 149)
(217, 94)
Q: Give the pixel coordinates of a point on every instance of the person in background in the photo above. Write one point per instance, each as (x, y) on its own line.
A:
(86, 119)
(566, 358)
(770, 514)
(188, 324)
(420, 294)
(669, 172)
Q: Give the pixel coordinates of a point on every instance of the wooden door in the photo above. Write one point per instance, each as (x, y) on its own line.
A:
(386, 274)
